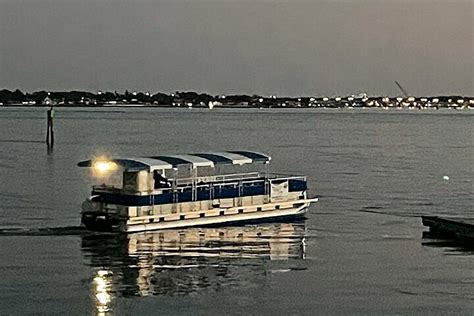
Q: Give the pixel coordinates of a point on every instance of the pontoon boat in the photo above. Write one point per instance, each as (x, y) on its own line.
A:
(161, 192)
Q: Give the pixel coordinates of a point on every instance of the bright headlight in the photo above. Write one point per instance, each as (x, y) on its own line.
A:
(103, 166)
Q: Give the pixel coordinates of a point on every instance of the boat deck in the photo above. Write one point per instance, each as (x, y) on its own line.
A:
(458, 228)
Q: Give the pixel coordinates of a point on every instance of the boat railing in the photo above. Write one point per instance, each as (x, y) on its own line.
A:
(236, 181)
(220, 178)
(282, 176)
(214, 181)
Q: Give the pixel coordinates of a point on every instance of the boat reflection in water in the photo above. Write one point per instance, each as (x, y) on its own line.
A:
(182, 261)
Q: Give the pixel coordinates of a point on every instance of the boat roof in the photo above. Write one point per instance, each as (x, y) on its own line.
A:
(195, 160)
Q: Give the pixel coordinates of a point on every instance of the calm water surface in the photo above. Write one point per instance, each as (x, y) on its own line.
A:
(361, 250)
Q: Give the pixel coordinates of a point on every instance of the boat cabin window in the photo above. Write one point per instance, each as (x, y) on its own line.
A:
(129, 181)
(137, 181)
(109, 180)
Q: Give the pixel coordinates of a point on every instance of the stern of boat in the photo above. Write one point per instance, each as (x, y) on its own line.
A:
(96, 216)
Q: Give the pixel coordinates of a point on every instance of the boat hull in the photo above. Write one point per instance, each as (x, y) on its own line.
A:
(96, 222)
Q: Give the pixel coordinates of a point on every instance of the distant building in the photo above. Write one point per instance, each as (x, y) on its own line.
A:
(48, 101)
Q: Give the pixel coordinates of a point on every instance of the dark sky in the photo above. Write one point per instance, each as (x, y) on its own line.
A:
(267, 47)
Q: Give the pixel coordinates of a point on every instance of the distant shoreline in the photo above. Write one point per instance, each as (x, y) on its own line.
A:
(169, 106)
(203, 100)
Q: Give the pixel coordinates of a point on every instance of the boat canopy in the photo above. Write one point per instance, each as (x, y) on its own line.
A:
(194, 160)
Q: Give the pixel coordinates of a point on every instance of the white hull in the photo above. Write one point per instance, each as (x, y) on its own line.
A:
(214, 220)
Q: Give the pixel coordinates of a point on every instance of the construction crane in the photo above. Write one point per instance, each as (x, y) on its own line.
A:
(401, 89)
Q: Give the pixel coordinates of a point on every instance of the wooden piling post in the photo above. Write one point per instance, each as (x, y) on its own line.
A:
(49, 128)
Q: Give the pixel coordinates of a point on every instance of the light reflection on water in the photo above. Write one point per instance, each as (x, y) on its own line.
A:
(185, 261)
(101, 291)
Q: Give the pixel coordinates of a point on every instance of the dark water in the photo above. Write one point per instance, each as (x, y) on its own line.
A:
(361, 251)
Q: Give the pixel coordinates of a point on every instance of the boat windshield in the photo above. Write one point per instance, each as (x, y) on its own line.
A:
(112, 180)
